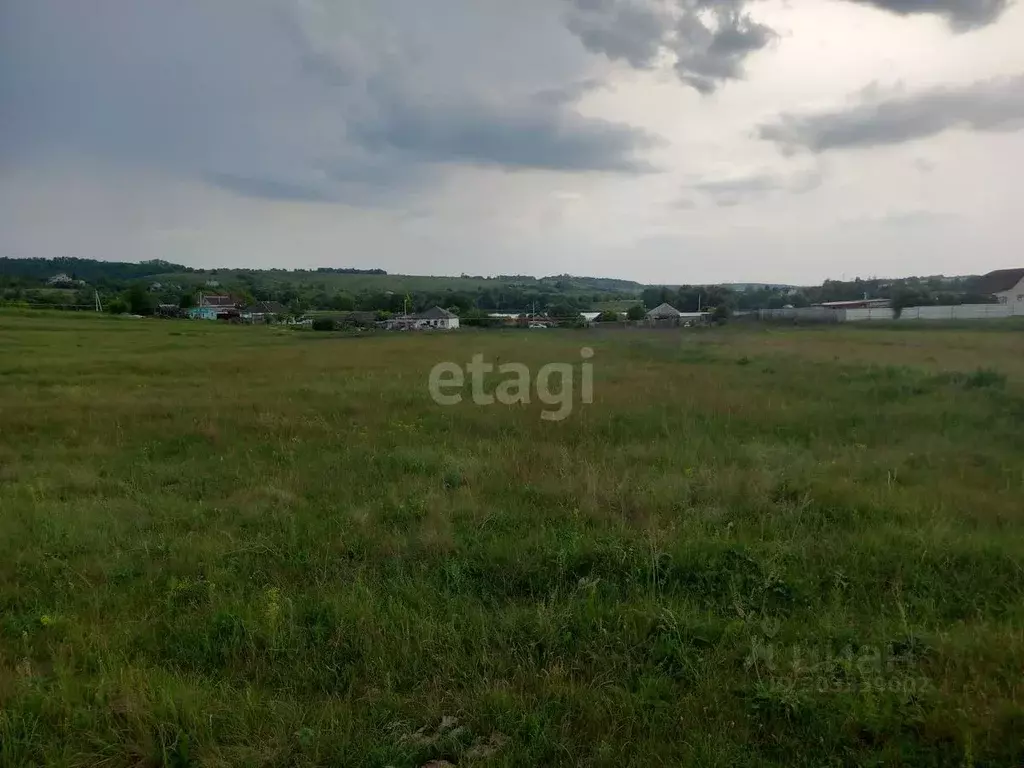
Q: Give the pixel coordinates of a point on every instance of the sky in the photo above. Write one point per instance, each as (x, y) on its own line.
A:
(664, 141)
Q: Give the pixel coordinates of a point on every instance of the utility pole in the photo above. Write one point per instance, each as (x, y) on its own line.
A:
(99, 306)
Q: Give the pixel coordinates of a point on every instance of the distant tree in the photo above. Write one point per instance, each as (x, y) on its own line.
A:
(562, 310)
(636, 312)
(799, 300)
(905, 296)
(656, 295)
(720, 313)
(717, 296)
(139, 300)
(323, 324)
(342, 302)
(187, 300)
(117, 306)
(608, 316)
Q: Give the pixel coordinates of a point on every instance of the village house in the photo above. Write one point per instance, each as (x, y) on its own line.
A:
(61, 280)
(667, 315)
(433, 318)
(170, 310)
(214, 307)
(264, 312)
(664, 312)
(1006, 285)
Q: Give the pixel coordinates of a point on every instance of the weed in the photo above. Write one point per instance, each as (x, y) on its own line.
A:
(254, 550)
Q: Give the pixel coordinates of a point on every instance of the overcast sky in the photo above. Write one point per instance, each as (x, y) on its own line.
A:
(677, 141)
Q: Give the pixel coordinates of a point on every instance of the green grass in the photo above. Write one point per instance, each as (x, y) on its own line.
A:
(228, 546)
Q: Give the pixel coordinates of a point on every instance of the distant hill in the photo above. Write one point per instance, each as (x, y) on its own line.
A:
(345, 278)
(345, 289)
(90, 270)
(758, 286)
(340, 289)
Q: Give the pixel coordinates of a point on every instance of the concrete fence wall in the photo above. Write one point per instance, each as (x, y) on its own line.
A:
(961, 312)
(876, 313)
(804, 315)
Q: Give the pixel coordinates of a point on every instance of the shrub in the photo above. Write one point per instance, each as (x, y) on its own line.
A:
(323, 324)
(116, 306)
(985, 378)
(636, 312)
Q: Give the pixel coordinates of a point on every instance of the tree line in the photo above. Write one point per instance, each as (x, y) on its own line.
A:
(141, 287)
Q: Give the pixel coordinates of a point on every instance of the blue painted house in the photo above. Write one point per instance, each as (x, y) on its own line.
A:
(214, 307)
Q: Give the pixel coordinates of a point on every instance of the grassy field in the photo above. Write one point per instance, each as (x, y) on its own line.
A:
(237, 546)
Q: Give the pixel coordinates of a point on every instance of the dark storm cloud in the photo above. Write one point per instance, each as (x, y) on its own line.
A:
(492, 133)
(708, 54)
(962, 14)
(282, 101)
(709, 41)
(632, 31)
(873, 120)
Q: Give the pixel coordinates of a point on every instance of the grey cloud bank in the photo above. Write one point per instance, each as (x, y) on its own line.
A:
(709, 41)
(248, 95)
(992, 105)
(963, 15)
(535, 136)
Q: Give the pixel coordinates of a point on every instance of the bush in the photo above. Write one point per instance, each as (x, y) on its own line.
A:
(323, 324)
(116, 306)
(985, 378)
(636, 312)
(139, 301)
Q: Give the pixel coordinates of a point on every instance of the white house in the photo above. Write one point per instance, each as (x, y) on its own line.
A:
(433, 318)
(263, 311)
(1007, 285)
(61, 279)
